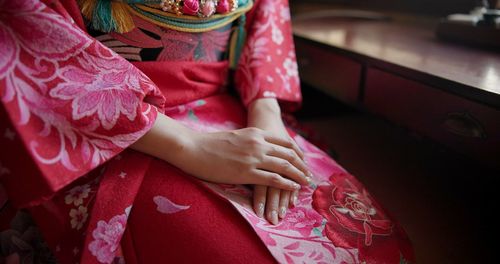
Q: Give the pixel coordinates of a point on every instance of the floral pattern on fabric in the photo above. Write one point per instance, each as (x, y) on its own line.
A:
(348, 206)
(77, 194)
(300, 237)
(107, 237)
(149, 42)
(65, 90)
(165, 206)
(268, 66)
(69, 133)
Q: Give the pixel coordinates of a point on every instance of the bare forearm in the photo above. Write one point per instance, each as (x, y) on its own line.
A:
(233, 157)
(265, 113)
(166, 140)
(168, 137)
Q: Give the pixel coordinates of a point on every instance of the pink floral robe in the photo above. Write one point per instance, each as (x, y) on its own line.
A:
(71, 105)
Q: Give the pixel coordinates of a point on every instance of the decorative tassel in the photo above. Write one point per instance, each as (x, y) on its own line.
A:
(87, 7)
(236, 42)
(122, 18)
(107, 15)
(101, 18)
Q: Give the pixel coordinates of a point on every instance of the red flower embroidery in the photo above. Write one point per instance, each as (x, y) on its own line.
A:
(348, 206)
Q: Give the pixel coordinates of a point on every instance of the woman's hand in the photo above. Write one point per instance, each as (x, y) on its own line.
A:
(273, 202)
(245, 156)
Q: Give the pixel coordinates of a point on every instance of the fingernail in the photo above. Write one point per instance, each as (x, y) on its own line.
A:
(309, 174)
(309, 180)
(260, 210)
(274, 217)
(282, 212)
(296, 186)
(294, 200)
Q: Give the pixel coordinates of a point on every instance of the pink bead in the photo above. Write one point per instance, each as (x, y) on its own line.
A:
(223, 7)
(208, 8)
(190, 7)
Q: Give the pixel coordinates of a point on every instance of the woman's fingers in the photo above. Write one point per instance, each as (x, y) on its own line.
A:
(294, 196)
(287, 143)
(272, 179)
(272, 204)
(284, 202)
(259, 199)
(290, 156)
(283, 167)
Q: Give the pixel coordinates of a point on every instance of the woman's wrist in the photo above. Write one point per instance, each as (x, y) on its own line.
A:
(264, 112)
(166, 140)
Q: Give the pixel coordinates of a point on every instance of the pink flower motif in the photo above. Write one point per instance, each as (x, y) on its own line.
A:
(208, 8)
(190, 7)
(107, 93)
(165, 206)
(223, 6)
(302, 220)
(107, 238)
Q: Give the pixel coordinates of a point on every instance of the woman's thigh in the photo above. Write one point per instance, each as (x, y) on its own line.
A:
(177, 220)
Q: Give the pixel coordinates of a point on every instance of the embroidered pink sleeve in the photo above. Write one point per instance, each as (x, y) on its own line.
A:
(268, 67)
(73, 103)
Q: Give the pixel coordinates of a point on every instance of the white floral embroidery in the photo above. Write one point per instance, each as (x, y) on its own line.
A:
(107, 93)
(78, 217)
(100, 86)
(277, 36)
(77, 194)
(291, 67)
(269, 43)
(285, 14)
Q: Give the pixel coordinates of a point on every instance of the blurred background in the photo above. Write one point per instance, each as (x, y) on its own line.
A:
(433, 7)
(405, 94)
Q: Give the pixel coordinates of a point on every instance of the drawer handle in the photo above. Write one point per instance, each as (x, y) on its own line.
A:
(463, 124)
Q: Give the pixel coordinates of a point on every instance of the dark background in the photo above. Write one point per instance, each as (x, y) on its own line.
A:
(428, 7)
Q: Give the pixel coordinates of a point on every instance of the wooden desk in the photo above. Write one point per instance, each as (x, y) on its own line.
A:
(402, 72)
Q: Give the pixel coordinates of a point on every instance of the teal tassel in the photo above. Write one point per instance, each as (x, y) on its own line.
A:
(240, 41)
(102, 19)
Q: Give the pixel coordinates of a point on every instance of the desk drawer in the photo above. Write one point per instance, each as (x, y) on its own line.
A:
(465, 126)
(334, 74)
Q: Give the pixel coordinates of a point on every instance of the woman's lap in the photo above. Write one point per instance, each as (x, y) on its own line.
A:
(204, 228)
(176, 218)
